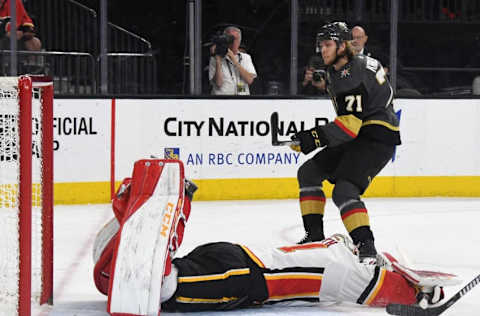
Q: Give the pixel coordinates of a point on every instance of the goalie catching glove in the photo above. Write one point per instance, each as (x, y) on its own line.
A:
(308, 140)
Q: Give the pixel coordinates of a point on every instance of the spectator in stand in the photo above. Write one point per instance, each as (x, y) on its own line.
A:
(232, 73)
(359, 39)
(25, 28)
(407, 83)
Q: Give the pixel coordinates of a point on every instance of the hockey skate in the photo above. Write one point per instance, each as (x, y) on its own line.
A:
(367, 253)
(429, 284)
(311, 237)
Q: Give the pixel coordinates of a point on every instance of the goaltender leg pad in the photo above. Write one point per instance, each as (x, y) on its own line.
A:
(103, 253)
(154, 207)
(418, 277)
(121, 198)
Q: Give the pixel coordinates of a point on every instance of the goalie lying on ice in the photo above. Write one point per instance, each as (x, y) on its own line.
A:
(222, 275)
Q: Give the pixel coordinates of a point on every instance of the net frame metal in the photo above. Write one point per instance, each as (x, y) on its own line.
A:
(28, 87)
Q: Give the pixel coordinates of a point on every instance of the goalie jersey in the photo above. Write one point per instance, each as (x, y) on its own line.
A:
(362, 97)
(327, 271)
(223, 276)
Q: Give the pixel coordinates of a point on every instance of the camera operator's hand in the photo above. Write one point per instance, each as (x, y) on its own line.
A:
(232, 56)
(308, 76)
(212, 50)
(309, 79)
(244, 74)
(218, 66)
(320, 85)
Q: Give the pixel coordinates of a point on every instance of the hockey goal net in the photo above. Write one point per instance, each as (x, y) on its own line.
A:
(26, 193)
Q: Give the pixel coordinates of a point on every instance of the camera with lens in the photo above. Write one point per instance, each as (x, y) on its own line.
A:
(316, 63)
(222, 42)
(318, 75)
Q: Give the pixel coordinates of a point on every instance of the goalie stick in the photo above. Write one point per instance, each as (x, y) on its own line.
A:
(275, 133)
(411, 310)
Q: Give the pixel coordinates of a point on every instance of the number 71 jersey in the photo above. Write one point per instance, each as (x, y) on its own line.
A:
(363, 100)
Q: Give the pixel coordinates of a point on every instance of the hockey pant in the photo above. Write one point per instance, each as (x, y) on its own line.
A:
(216, 276)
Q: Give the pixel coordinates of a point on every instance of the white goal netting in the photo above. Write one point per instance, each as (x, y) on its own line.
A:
(9, 196)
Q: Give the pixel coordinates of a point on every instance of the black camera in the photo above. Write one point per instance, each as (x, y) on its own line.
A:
(222, 42)
(316, 62)
(318, 75)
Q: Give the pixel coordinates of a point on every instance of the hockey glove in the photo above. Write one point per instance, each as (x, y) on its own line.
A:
(295, 147)
(309, 140)
(429, 295)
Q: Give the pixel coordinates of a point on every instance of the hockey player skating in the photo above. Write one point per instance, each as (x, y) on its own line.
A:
(358, 143)
(222, 275)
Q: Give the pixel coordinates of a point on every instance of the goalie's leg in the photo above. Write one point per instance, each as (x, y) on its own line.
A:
(106, 239)
(147, 237)
(215, 276)
(428, 283)
(347, 280)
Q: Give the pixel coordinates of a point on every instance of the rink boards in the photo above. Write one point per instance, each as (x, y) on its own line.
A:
(225, 146)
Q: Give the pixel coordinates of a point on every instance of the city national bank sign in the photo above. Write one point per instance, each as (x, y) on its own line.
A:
(215, 138)
(237, 143)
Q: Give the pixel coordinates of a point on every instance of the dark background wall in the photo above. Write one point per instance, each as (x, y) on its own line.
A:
(431, 34)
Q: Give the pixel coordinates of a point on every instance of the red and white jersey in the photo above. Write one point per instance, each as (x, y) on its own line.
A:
(22, 16)
(327, 271)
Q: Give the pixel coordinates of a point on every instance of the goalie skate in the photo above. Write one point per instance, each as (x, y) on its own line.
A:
(148, 237)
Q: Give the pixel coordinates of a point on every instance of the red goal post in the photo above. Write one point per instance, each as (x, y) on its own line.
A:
(26, 193)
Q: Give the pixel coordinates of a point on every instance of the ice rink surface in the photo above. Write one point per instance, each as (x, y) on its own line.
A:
(434, 233)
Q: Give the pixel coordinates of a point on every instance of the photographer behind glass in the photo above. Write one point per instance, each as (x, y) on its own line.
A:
(230, 71)
(313, 80)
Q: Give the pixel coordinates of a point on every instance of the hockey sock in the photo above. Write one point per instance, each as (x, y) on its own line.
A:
(312, 202)
(361, 234)
(312, 206)
(313, 224)
(355, 216)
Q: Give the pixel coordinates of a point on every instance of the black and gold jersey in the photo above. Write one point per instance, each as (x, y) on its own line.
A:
(362, 97)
